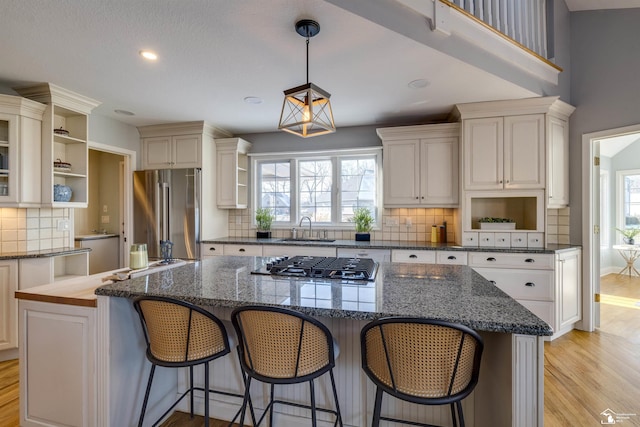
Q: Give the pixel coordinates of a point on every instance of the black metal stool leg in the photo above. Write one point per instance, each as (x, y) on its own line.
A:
(146, 395)
(314, 422)
(206, 394)
(244, 402)
(335, 397)
(191, 387)
(376, 408)
(460, 415)
(454, 421)
(271, 405)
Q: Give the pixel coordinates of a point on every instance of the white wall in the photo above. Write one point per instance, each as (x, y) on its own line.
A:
(112, 132)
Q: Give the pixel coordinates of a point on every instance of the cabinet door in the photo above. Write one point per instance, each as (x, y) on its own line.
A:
(401, 163)
(8, 159)
(439, 171)
(568, 289)
(8, 305)
(156, 153)
(186, 151)
(524, 151)
(558, 163)
(483, 153)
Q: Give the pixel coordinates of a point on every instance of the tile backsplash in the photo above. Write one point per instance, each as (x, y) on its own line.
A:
(558, 226)
(32, 229)
(413, 225)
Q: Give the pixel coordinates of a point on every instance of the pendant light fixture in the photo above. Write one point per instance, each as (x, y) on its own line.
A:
(306, 110)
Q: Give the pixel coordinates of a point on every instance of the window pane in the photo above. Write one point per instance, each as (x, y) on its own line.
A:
(276, 189)
(315, 190)
(358, 186)
(632, 201)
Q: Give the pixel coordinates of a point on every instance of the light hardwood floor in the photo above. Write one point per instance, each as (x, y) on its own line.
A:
(585, 373)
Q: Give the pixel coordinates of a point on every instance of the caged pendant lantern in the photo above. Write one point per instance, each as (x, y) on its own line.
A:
(306, 110)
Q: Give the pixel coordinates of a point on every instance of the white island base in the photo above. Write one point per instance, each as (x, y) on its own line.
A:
(86, 366)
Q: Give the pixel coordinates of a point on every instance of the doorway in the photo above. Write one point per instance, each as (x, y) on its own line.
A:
(109, 211)
(609, 159)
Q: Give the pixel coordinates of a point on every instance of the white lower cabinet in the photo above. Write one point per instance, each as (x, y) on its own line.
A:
(292, 250)
(242, 250)
(8, 306)
(379, 255)
(208, 250)
(429, 256)
(548, 285)
(57, 384)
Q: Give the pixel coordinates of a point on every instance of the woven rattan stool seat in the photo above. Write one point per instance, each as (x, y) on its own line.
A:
(423, 361)
(281, 346)
(179, 334)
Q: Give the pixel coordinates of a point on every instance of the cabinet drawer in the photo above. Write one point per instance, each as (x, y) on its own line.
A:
(508, 260)
(486, 240)
(243, 250)
(418, 256)
(451, 257)
(208, 250)
(535, 240)
(294, 250)
(379, 255)
(470, 238)
(518, 240)
(503, 240)
(521, 284)
(542, 309)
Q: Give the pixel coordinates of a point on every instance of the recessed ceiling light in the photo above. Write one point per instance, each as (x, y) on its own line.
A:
(124, 112)
(418, 83)
(253, 100)
(149, 54)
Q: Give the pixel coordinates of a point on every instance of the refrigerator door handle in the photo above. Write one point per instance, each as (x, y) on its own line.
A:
(165, 208)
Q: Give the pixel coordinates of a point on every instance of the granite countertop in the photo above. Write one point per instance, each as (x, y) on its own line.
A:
(387, 244)
(42, 253)
(448, 292)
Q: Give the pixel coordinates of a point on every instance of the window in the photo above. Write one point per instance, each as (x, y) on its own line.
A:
(604, 209)
(628, 199)
(325, 187)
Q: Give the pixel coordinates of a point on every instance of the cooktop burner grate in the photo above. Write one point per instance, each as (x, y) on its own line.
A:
(322, 267)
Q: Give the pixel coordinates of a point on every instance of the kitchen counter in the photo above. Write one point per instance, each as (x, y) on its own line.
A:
(43, 253)
(387, 244)
(447, 292)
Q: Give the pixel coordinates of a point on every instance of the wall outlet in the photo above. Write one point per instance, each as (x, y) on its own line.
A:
(392, 222)
(104, 219)
(105, 209)
(62, 225)
(408, 222)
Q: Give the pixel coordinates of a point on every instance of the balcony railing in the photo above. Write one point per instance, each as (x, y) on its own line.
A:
(524, 21)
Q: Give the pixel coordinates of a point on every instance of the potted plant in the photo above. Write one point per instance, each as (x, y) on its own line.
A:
(364, 222)
(491, 223)
(628, 235)
(263, 222)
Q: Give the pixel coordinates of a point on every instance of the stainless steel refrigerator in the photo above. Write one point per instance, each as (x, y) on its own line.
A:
(167, 207)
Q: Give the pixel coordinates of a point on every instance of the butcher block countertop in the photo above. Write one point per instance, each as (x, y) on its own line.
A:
(80, 291)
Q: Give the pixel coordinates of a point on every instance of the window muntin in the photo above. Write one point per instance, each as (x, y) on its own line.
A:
(323, 186)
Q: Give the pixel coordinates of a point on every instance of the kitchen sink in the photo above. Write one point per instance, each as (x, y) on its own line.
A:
(291, 239)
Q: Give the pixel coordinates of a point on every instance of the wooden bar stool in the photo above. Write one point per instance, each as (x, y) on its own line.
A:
(180, 334)
(282, 346)
(424, 361)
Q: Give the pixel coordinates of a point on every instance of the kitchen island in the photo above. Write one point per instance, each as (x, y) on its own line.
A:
(509, 392)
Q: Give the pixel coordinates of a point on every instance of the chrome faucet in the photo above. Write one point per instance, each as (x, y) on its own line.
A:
(300, 225)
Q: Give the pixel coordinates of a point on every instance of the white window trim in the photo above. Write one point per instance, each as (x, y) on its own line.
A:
(605, 209)
(620, 223)
(295, 157)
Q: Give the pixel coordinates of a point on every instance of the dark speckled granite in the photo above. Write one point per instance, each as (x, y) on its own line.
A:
(389, 244)
(447, 292)
(42, 253)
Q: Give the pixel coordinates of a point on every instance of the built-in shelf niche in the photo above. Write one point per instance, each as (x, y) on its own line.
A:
(526, 208)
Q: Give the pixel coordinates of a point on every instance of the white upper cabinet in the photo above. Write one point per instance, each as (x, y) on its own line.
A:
(65, 151)
(504, 152)
(232, 183)
(558, 162)
(420, 165)
(20, 151)
(172, 152)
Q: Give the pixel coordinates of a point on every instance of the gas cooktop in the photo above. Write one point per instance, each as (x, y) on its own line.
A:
(322, 267)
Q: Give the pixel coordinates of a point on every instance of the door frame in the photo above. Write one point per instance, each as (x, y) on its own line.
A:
(126, 232)
(590, 239)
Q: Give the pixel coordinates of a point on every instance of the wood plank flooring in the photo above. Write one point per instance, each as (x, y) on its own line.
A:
(585, 373)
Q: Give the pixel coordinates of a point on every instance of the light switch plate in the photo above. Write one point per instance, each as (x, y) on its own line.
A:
(105, 219)
(62, 225)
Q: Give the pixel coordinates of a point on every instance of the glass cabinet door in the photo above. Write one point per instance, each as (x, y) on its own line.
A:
(4, 157)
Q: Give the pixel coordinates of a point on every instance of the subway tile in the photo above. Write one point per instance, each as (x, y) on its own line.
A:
(563, 220)
(9, 246)
(33, 245)
(9, 235)
(33, 213)
(46, 223)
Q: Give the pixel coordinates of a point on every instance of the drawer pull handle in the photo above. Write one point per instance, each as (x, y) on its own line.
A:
(493, 282)
(529, 260)
(413, 256)
(451, 257)
(492, 259)
(212, 249)
(530, 284)
(241, 250)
